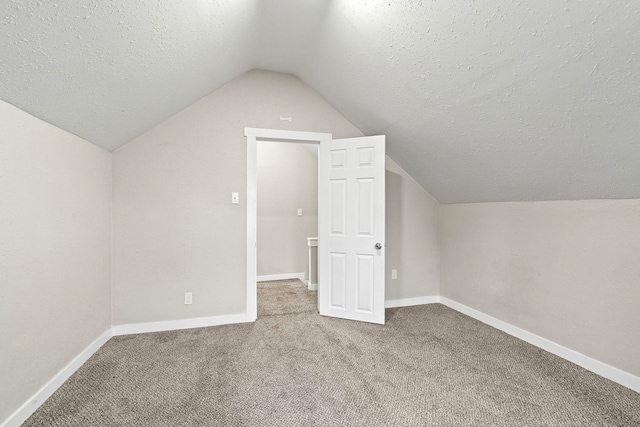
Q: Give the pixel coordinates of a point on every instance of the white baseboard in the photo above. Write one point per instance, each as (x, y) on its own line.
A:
(312, 286)
(406, 302)
(283, 276)
(607, 371)
(172, 325)
(30, 406)
(604, 370)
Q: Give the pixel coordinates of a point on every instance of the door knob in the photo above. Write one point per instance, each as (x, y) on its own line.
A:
(378, 246)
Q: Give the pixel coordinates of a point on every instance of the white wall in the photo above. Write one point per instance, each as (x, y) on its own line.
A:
(567, 271)
(55, 223)
(175, 229)
(287, 180)
(412, 237)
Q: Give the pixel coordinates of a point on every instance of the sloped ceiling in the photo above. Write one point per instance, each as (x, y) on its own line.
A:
(480, 100)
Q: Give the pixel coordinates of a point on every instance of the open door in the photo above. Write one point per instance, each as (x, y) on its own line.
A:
(351, 227)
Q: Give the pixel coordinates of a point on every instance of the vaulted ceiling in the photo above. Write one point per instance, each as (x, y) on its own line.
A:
(480, 100)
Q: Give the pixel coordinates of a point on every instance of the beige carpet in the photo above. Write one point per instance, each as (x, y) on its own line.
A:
(285, 297)
(429, 365)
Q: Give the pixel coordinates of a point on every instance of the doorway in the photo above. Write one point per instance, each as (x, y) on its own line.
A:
(287, 219)
(254, 136)
(351, 223)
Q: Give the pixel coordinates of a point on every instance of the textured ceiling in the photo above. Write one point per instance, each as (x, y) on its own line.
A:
(481, 101)
(110, 70)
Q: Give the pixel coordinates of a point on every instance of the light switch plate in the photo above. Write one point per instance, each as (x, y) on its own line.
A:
(299, 211)
(235, 198)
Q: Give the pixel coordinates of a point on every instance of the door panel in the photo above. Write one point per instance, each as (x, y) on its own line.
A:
(338, 207)
(338, 280)
(365, 282)
(351, 222)
(365, 214)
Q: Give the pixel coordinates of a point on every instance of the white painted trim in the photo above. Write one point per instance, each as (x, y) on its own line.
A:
(31, 405)
(406, 302)
(312, 286)
(607, 371)
(254, 135)
(252, 226)
(286, 135)
(173, 325)
(600, 368)
(284, 276)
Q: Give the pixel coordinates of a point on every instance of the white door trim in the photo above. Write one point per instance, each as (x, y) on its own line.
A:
(254, 135)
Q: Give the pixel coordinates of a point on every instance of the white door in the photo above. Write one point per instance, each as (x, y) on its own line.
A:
(351, 227)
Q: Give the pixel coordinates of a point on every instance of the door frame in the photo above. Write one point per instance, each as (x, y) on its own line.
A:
(255, 135)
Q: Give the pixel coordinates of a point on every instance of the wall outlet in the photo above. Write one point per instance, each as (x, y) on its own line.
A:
(299, 211)
(394, 274)
(188, 298)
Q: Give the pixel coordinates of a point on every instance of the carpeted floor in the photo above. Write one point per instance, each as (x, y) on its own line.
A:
(429, 365)
(285, 297)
